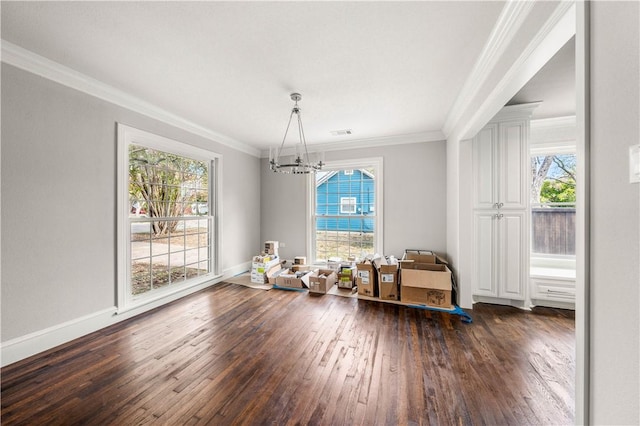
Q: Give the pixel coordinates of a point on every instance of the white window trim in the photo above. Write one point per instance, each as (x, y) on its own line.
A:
(126, 136)
(361, 163)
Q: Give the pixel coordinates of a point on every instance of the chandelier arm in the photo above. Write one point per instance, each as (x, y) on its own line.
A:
(303, 139)
(284, 138)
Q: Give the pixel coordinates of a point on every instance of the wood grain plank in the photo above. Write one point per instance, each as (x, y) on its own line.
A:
(234, 355)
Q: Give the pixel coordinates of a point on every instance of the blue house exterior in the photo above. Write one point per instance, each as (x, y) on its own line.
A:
(347, 199)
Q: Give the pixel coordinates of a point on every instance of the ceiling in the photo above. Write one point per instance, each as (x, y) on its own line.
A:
(554, 85)
(381, 69)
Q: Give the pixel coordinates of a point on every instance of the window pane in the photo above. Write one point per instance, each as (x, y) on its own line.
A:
(159, 271)
(165, 190)
(553, 178)
(140, 276)
(553, 231)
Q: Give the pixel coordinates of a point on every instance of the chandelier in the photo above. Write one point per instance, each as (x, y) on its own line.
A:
(300, 162)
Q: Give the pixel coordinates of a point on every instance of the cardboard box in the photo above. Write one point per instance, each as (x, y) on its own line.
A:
(346, 277)
(271, 247)
(367, 279)
(422, 256)
(265, 278)
(273, 274)
(296, 268)
(426, 284)
(264, 258)
(387, 279)
(291, 279)
(322, 280)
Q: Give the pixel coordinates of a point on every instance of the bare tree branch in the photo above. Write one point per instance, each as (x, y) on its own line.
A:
(568, 169)
(539, 171)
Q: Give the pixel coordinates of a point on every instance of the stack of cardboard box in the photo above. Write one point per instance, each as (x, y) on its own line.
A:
(264, 267)
(420, 278)
(346, 276)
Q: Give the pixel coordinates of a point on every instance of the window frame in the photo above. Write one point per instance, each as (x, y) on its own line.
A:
(361, 163)
(538, 149)
(126, 136)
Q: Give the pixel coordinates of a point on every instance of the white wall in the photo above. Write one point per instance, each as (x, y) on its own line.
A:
(615, 214)
(59, 202)
(414, 199)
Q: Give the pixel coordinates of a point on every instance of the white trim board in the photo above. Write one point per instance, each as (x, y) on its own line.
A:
(26, 60)
(42, 340)
(433, 136)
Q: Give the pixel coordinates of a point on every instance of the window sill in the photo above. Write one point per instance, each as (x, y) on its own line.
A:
(161, 297)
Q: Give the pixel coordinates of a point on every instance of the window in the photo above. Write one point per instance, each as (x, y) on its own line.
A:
(347, 204)
(343, 220)
(553, 204)
(167, 223)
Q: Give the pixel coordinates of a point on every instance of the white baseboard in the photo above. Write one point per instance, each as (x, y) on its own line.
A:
(237, 270)
(553, 304)
(33, 343)
(520, 304)
(30, 344)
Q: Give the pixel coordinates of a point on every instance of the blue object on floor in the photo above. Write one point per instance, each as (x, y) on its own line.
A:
(277, 287)
(457, 310)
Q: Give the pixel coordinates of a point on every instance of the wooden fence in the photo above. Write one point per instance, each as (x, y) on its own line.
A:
(553, 230)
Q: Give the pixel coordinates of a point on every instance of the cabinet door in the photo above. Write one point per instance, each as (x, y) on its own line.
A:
(512, 259)
(485, 165)
(485, 282)
(513, 168)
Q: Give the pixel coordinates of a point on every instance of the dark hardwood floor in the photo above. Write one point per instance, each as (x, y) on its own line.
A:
(234, 355)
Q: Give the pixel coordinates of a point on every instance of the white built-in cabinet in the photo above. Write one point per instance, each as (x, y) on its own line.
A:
(500, 256)
(500, 206)
(500, 162)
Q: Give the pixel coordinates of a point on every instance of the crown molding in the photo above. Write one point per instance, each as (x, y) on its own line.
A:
(509, 22)
(518, 111)
(556, 31)
(28, 61)
(432, 136)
